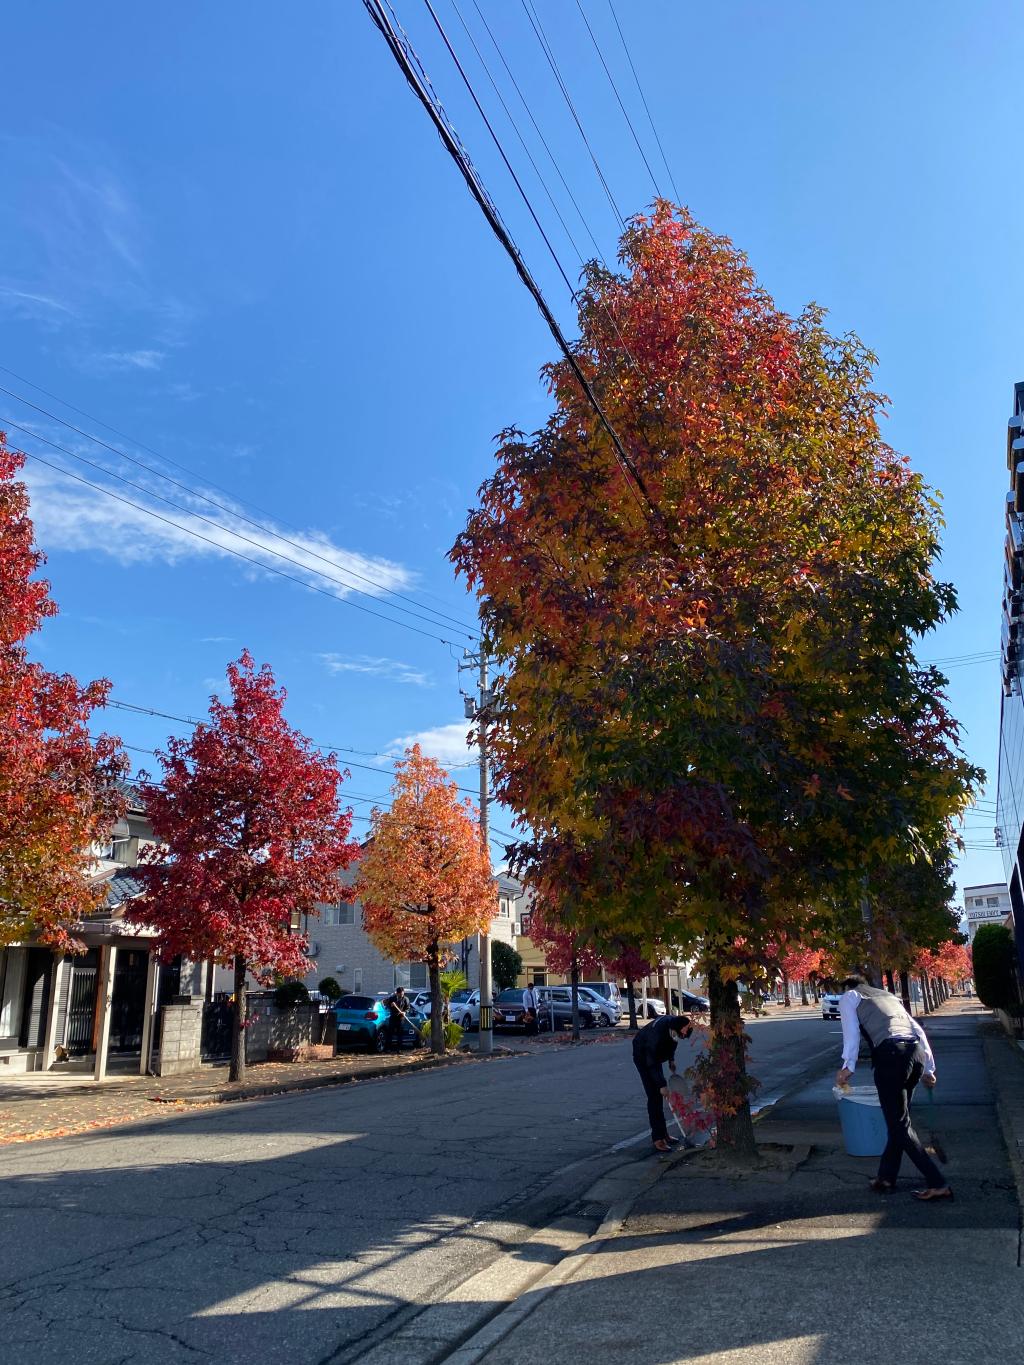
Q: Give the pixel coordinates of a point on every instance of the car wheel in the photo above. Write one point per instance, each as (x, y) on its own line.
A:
(605, 1021)
(467, 1022)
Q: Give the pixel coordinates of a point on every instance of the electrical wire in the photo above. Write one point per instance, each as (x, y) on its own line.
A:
(518, 184)
(195, 492)
(418, 80)
(225, 549)
(192, 722)
(191, 512)
(615, 91)
(536, 126)
(643, 97)
(542, 38)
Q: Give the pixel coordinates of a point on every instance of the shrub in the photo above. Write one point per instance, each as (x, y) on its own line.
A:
(289, 994)
(993, 957)
(330, 989)
(506, 966)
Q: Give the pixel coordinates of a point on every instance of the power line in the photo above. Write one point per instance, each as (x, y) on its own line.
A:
(542, 38)
(518, 184)
(195, 492)
(537, 128)
(650, 118)
(191, 512)
(412, 68)
(192, 722)
(615, 91)
(188, 530)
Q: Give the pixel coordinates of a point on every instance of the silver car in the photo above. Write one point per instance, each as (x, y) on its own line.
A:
(464, 1009)
(609, 1011)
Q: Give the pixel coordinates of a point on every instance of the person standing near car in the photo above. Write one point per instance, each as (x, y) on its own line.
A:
(653, 1046)
(530, 1010)
(398, 1007)
(901, 1056)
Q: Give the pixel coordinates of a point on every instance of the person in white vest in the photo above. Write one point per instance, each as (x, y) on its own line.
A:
(901, 1056)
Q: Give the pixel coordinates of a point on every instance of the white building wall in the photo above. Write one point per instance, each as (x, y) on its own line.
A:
(988, 904)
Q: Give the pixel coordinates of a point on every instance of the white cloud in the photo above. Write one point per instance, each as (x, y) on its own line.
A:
(26, 303)
(71, 516)
(446, 743)
(133, 360)
(393, 669)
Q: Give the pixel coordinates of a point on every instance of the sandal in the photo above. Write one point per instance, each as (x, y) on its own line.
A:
(926, 1196)
(881, 1186)
(662, 1145)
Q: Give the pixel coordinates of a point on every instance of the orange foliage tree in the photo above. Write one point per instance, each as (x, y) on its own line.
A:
(425, 878)
(58, 787)
(708, 709)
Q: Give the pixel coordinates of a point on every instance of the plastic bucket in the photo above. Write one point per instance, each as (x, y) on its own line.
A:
(862, 1121)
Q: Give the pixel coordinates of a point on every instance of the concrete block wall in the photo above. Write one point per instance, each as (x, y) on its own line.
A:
(271, 1029)
(181, 1032)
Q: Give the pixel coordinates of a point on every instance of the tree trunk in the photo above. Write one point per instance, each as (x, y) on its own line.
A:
(785, 991)
(437, 1010)
(905, 991)
(924, 993)
(237, 1069)
(735, 1130)
(890, 984)
(575, 979)
(803, 991)
(631, 1001)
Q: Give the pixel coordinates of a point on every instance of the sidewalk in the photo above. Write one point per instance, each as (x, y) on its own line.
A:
(798, 1261)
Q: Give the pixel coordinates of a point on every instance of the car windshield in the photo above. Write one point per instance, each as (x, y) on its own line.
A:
(513, 996)
(355, 1002)
(460, 997)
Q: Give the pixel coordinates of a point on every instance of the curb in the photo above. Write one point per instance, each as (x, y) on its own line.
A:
(286, 1087)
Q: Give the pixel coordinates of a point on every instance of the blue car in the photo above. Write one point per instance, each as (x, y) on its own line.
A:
(362, 1022)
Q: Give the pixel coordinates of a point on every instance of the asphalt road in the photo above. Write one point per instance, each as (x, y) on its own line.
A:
(315, 1223)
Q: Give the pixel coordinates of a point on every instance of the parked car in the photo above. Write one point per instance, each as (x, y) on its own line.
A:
(655, 1007)
(693, 1004)
(554, 1007)
(607, 990)
(362, 1022)
(609, 1012)
(508, 1010)
(830, 1007)
(464, 1009)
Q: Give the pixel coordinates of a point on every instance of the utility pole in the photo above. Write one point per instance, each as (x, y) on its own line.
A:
(478, 710)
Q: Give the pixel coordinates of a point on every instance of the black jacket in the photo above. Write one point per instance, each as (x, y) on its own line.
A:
(654, 1045)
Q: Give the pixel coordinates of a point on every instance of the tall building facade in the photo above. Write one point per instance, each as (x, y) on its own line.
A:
(1010, 795)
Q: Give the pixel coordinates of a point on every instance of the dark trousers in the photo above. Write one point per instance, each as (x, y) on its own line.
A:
(653, 1079)
(394, 1033)
(530, 1022)
(898, 1069)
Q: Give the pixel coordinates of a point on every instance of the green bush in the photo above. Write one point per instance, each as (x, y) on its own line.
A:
(994, 978)
(330, 989)
(506, 966)
(289, 994)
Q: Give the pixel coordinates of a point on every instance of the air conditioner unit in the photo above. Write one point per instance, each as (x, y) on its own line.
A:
(314, 948)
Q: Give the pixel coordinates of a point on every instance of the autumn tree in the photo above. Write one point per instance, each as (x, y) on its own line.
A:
(425, 877)
(58, 787)
(709, 709)
(250, 837)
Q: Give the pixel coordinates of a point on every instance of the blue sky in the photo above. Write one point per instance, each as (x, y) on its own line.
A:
(231, 234)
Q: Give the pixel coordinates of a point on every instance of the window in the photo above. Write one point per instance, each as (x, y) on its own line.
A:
(504, 906)
(992, 900)
(357, 979)
(417, 976)
(342, 913)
